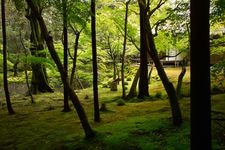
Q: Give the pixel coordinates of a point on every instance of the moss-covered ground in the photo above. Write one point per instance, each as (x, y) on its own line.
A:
(137, 125)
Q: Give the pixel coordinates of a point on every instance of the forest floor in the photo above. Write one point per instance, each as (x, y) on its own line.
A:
(137, 125)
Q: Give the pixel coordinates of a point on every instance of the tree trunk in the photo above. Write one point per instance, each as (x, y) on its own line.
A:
(39, 81)
(65, 46)
(124, 50)
(150, 47)
(200, 76)
(176, 112)
(133, 89)
(8, 102)
(49, 41)
(150, 73)
(180, 78)
(77, 34)
(143, 82)
(94, 59)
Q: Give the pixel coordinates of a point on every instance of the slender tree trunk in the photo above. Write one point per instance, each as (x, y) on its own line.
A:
(114, 69)
(124, 50)
(8, 102)
(150, 73)
(39, 81)
(25, 70)
(143, 82)
(94, 59)
(89, 133)
(133, 89)
(77, 34)
(180, 78)
(200, 76)
(65, 45)
(176, 112)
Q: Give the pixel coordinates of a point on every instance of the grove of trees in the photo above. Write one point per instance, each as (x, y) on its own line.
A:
(76, 44)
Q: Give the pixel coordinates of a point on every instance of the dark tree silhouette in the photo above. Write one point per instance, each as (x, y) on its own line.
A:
(143, 81)
(8, 102)
(94, 59)
(200, 76)
(89, 133)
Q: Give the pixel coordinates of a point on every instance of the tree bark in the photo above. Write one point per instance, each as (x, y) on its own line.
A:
(175, 108)
(180, 78)
(143, 81)
(89, 133)
(77, 36)
(94, 59)
(5, 70)
(65, 47)
(124, 50)
(133, 89)
(200, 76)
(39, 81)
(150, 47)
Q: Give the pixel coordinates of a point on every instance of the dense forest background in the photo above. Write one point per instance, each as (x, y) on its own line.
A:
(123, 66)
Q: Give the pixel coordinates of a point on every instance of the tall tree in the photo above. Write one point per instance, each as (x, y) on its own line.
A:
(65, 44)
(39, 81)
(8, 102)
(124, 49)
(89, 133)
(94, 62)
(200, 76)
(152, 51)
(143, 81)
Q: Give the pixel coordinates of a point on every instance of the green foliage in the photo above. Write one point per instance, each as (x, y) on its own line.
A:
(218, 76)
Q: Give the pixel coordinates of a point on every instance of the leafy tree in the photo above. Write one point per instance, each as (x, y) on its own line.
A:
(149, 44)
(39, 81)
(89, 133)
(8, 102)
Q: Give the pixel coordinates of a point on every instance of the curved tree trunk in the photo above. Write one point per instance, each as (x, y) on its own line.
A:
(77, 36)
(39, 81)
(89, 133)
(133, 89)
(180, 78)
(149, 44)
(176, 112)
(8, 102)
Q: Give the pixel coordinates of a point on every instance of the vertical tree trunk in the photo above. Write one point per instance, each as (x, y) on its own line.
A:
(200, 76)
(124, 50)
(89, 133)
(94, 59)
(143, 81)
(8, 102)
(39, 81)
(65, 46)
